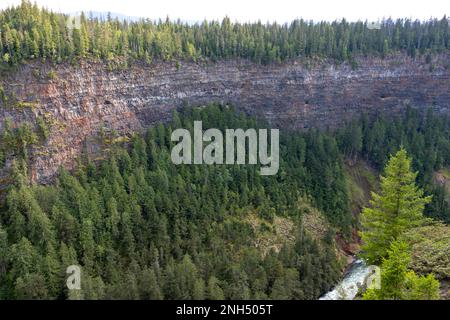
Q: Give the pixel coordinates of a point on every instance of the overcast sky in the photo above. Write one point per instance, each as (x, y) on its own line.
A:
(264, 10)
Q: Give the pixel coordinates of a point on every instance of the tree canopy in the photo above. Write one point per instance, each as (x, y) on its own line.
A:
(141, 227)
(29, 32)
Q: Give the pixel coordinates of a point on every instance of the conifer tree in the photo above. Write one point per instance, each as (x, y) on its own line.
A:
(399, 283)
(398, 207)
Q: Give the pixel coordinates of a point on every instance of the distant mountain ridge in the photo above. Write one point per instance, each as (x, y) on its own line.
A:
(104, 15)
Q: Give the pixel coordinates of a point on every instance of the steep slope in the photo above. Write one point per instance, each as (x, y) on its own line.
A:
(78, 101)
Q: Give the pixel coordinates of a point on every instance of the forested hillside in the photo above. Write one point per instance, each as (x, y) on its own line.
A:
(142, 227)
(426, 138)
(28, 32)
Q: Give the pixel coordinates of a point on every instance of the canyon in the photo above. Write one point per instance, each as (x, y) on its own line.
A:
(79, 101)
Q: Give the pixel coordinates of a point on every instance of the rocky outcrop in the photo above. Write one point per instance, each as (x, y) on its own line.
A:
(78, 100)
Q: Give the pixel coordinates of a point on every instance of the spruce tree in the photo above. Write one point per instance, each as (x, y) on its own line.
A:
(398, 207)
(399, 283)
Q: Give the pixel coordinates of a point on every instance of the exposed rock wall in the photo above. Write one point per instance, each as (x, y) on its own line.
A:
(79, 100)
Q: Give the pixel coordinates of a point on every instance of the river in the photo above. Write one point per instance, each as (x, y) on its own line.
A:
(347, 289)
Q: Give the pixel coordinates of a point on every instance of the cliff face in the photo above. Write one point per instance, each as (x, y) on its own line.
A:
(77, 101)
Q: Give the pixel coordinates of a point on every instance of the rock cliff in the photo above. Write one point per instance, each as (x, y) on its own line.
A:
(77, 101)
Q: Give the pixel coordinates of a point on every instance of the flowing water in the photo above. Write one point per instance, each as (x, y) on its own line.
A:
(348, 287)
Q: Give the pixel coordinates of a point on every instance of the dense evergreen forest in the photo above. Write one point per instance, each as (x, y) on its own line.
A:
(425, 137)
(144, 228)
(28, 32)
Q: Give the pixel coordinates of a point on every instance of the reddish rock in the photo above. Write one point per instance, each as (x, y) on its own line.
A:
(82, 99)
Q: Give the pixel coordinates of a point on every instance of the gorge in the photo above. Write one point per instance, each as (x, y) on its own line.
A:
(124, 146)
